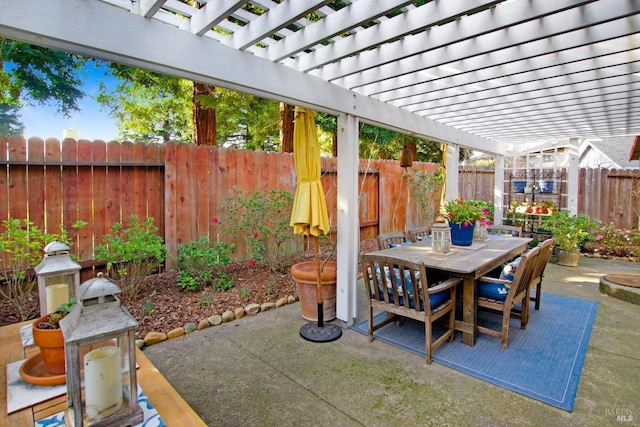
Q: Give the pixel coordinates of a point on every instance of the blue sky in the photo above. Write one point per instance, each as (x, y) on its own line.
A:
(90, 121)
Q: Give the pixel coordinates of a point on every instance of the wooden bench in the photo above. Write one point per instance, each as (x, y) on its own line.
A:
(165, 399)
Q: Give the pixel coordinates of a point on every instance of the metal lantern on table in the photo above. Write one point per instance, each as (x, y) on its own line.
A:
(99, 339)
(58, 277)
(440, 236)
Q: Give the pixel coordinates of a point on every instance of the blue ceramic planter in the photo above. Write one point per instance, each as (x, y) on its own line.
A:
(461, 235)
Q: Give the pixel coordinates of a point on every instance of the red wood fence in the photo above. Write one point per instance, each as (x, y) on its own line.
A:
(182, 186)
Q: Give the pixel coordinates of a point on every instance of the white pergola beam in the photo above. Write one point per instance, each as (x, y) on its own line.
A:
(485, 36)
(520, 71)
(399, 26)
(274, 19)
(212, 14)
(98, 32)
(343, 20)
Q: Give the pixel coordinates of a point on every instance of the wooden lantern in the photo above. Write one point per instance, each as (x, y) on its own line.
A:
(441, 236)
(58, 277)
(99, 338)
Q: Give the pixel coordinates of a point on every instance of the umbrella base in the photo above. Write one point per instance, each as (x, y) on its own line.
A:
(327, 333)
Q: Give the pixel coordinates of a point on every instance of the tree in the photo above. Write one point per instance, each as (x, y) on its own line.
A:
(204, 115)
(149, 106)
(247, 121)
(36, 75)
(10, 123)
(287, 113)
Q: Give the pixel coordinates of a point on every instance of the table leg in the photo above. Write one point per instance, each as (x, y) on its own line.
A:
(468, 324)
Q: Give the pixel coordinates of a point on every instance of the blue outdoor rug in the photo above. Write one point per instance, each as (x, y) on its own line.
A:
(543, 362)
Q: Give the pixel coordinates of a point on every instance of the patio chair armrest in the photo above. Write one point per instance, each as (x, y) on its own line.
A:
(449, 283)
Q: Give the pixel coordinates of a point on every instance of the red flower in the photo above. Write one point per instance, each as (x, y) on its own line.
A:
(255, 235)
(466, 223)
(252, 262)
(215, 219)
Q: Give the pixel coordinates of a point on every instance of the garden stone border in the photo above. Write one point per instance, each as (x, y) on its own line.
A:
(252, 309)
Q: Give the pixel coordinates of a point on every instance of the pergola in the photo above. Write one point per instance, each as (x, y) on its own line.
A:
(494, 76)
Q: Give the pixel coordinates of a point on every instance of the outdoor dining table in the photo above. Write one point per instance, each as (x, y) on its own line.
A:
(466, 262)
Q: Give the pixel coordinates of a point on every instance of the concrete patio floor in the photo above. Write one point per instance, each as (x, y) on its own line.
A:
(257, 371)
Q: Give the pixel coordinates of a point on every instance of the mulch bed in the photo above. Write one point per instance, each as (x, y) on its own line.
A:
(162, 305)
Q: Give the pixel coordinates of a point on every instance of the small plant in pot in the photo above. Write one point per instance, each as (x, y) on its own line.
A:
(570, 233)
(48, 336)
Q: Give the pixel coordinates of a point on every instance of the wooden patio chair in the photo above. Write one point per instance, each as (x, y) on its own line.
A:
(506, 230)
(400, 288)
(417, 234)
(546, 249)
(502, 296)
(395, 238)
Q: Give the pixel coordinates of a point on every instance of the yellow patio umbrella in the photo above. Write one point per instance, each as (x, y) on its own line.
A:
(309, 215)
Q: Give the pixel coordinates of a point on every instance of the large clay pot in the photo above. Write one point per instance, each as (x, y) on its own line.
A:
(461, 235)
(305, 276)
(568, 258)
(51, 343)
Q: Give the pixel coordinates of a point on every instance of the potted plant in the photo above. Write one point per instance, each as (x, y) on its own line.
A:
(48, 336)
(462, 216)
(570, 232)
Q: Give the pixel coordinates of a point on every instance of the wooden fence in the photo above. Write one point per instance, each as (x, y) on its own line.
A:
(609, 195)
(182, 186)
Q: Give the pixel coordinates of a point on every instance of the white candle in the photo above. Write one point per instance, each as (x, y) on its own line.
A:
(56, 296)
(102, 382)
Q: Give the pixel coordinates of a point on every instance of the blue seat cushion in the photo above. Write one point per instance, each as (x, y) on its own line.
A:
(395, 245)
(509, 270)
(438, 298)
(434, 300)
(407, 279)
(496, 291)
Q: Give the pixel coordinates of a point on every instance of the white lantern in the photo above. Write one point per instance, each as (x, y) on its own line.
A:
(99, 341)
(441, 236)
(58, 277)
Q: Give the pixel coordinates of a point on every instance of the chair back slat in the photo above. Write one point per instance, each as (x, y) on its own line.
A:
(546, 248)
(385, 240)
(415, 234)
(393, 281)
(520, 283)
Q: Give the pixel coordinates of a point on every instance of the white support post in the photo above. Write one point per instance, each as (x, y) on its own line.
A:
(572, 176)
(348, 220)
(453, 154)
(498, 189)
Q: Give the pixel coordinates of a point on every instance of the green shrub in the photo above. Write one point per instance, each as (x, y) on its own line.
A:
(132, 253)
(261, 219)
(21, 247)
(200, 264)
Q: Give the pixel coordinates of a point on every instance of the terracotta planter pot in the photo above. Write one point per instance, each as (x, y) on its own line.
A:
(304, 274)
(568, 258)
(51, 343)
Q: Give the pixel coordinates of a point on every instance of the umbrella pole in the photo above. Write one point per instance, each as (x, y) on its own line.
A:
(319, 332)
(319, 296)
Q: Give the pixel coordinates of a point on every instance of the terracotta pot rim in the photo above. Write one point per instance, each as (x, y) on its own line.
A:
(310, 267)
